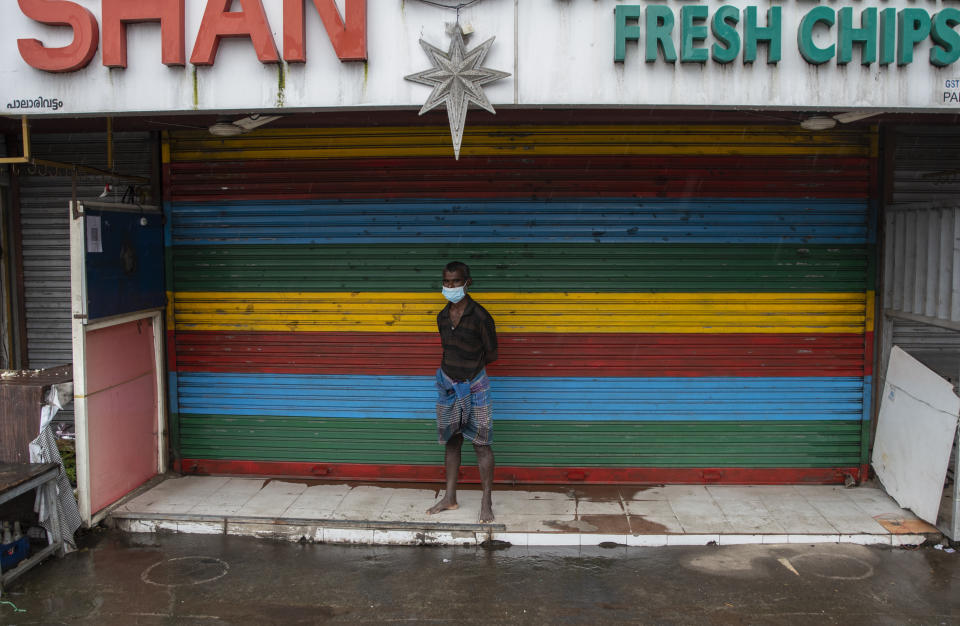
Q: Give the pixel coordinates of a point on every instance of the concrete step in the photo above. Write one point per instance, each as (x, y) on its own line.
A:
(582, 515)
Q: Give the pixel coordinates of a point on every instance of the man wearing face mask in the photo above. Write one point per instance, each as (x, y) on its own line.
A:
(469, 339)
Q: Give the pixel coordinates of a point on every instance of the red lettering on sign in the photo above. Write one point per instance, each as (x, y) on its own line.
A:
(349, 36)
(118, 13)
(347, 33)
(219, 22)
(77, 55)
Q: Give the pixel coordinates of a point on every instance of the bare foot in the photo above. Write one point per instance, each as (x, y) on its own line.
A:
(443, 505)
(486, 513)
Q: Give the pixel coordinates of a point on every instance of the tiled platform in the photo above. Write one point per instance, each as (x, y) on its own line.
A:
(537, 515)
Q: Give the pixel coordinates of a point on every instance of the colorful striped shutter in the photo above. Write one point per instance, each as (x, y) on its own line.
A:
(675, 304)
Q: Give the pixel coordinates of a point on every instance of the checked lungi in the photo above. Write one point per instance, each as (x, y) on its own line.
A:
(464, 407)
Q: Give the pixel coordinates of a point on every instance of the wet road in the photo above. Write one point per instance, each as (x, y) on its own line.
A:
(194, 579)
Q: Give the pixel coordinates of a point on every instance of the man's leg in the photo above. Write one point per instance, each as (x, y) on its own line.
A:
(452, 462)
(485, 464)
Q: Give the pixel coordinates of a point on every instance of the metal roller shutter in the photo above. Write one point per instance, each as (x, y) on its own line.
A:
(674, 303)
(937, 348)
(7, 348)
(925, 164)
(4, 169)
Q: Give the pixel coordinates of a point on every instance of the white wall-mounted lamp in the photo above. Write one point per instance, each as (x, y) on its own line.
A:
(225, 128)
(818, 122)
(824, 122)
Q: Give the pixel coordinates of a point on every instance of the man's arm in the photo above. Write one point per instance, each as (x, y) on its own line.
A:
(488, 336)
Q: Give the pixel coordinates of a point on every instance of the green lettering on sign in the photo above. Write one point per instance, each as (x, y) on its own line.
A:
(659, 34)
(946, 40)
(752, 34)
(913, 26)
(809, 50)
(883, 35)
(724, 31)
(866, 36)
(692, 30)
(888, 36)
(624, 31)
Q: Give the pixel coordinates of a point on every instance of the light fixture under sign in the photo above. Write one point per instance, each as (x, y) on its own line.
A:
(818, 122)
(225, 128)
(823, 122)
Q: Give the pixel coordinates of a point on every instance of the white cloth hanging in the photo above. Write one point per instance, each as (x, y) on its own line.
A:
(44, 449)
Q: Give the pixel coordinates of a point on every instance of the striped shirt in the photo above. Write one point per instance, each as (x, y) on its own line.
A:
(471, 345)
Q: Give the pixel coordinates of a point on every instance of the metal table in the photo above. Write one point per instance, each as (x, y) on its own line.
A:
(17, 479)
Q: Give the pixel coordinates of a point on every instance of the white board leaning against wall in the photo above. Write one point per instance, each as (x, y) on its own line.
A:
(915, 432)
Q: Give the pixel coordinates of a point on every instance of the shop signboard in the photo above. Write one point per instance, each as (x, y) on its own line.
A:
(65, 57)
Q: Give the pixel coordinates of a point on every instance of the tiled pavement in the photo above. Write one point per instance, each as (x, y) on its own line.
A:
(535, 515)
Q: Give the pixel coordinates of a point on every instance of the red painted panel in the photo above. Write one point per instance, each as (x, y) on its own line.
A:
(122, 406)
(543, 177)
(531, 475)
(534, 354)
(119, 353)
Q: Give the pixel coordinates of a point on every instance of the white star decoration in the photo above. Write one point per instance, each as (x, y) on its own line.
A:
(457, 79)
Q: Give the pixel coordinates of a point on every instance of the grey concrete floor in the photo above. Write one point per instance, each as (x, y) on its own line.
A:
(120, 578)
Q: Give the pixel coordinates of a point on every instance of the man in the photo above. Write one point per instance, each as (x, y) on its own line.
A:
(469, 340)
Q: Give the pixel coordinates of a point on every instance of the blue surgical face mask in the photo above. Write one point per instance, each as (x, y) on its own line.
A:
(454, 294)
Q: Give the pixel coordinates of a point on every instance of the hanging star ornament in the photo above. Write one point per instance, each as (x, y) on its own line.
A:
(457, 80)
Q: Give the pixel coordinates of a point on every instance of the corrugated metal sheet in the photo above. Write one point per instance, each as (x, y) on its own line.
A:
(646, 220)
(711, 306)
(525, 444)
(926, 164)
(527, 162)
(936, 347)
(6, 291)
(524, 141)
(566, 399)
(529, 312)
(922, 262)
(921, 292)
(46, 240)
(4, 169)
(920, 337)
(516, 267)
(529, 354)
(546, 176)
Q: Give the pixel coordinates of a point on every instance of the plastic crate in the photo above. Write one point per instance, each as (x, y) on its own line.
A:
(12, 553)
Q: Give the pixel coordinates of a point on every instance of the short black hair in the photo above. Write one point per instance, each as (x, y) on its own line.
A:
(457, 266)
